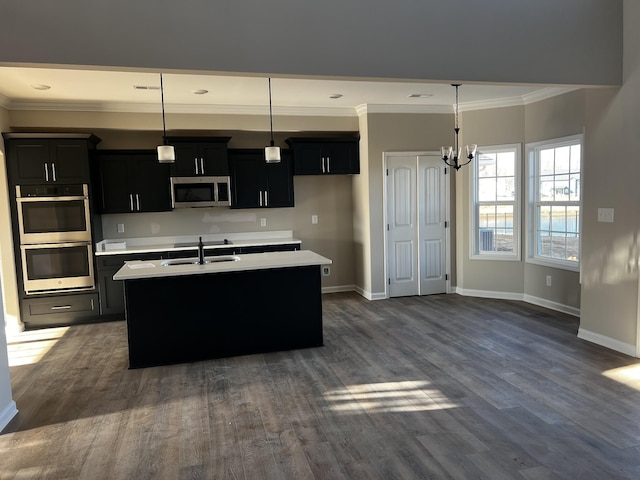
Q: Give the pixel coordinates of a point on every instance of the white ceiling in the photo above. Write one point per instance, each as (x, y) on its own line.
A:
(108, 90)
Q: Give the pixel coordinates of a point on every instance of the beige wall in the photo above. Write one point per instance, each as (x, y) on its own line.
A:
(486, 127)
(389, 133)
(611, 251)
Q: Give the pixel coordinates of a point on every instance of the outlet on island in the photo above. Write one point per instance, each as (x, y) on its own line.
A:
(326, 271)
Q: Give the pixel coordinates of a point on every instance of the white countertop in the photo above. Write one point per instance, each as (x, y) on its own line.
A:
(138, 269)
(168, 244)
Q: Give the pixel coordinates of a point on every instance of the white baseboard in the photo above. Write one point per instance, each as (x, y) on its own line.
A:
(608, 342)
(7, 414)
(541, 302)
(368, 295)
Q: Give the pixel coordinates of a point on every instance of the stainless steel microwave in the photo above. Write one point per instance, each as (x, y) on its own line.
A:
(188, 192)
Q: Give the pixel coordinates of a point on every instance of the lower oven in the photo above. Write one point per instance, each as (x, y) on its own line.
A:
(57, 267)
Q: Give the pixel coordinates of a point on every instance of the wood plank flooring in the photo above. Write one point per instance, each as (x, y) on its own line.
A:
(437, 387)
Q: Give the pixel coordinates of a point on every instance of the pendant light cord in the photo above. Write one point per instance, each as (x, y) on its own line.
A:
(270, 114)
(164, 127)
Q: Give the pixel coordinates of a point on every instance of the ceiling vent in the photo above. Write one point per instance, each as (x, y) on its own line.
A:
(145, 87)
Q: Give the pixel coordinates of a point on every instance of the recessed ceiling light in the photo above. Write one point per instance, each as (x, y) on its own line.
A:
(420, 95)
(335, 95)
(201, 91)
(40, 86)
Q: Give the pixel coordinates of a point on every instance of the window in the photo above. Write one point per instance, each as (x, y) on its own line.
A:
(496, 218)
(554, 207)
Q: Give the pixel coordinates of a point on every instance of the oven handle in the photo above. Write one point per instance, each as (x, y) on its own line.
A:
(51, 199)
(36, 246)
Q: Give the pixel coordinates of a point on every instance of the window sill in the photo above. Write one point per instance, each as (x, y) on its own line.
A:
(559, 264)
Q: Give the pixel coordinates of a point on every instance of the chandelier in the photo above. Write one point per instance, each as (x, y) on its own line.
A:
(451, 154)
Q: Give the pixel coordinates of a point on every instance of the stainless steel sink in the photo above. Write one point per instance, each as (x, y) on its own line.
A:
(194, 261)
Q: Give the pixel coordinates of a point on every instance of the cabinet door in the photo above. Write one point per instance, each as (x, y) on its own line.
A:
(69, 161)
(341, 158)
(247, 182)
(149, 184)
(187, 160)
(216, 161)
(27, 159)
(280, 182)
(111, 292)
(114, 185)
(308, 159)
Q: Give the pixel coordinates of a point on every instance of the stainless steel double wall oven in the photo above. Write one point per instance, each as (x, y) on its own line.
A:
(54, 224)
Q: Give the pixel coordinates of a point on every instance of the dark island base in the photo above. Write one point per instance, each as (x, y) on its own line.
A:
(196, 317)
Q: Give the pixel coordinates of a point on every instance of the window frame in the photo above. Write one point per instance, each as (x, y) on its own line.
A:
(475, 252)
(533, 150)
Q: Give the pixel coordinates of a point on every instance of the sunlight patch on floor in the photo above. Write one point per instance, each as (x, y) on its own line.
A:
(30, 347)
(628, 375)
(388, 397)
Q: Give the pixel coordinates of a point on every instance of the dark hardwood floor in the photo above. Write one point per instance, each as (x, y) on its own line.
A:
(438, 387)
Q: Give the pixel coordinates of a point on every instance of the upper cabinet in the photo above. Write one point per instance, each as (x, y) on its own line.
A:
(325, 156)
(131, 181)
(200, 156)
(55, 158)
(257, 184)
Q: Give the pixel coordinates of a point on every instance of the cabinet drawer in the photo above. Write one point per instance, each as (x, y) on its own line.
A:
(62, 305)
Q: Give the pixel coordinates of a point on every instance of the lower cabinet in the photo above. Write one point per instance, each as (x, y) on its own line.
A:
(112, 291)
(60, 310)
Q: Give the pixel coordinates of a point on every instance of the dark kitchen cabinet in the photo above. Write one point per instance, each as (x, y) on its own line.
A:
(35, 159)
(110, 291)
(59, 310)
(196, 156)
(132, 181)
(325, 156)
(257, 184)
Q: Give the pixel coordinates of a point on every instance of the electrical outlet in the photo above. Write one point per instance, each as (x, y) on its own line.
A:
(121, 228)
(263, 222)
(326, 271)
(548, 280)
(314, 219)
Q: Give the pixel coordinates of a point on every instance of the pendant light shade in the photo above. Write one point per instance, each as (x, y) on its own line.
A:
(271, 153)
(166, 153)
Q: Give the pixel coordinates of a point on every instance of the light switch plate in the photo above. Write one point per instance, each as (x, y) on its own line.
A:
(605, 215)
(314, 219)
(121, 228)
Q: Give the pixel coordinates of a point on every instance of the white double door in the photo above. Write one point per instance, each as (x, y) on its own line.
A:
(416, 214)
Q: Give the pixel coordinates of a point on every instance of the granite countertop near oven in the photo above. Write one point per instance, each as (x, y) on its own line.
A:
(190, 242)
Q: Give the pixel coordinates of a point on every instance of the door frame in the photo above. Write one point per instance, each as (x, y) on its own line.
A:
(447, 201)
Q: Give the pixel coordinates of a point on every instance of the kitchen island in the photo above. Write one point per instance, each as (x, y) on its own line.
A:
(180, 311)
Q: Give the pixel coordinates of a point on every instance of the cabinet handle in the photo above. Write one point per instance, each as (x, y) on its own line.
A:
(46, 172)
(323, 169)
(53, 171)
(138, 202)
(260, 197)
(61, 307)
(92, 306)
(328, 164)
(131, 202)
(195, 162)
(202, 166)
(266, 201)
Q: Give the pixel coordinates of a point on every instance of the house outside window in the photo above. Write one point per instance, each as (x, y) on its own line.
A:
(554, 221)
(496, 203)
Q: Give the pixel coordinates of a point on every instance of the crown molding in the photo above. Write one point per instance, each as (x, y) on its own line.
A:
(365, 109)
(259, 110)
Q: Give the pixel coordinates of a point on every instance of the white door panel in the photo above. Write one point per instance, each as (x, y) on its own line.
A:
(416, 235)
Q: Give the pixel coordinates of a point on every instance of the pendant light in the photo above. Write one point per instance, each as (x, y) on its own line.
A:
(271, 153)
(166, 153)
(451, 154)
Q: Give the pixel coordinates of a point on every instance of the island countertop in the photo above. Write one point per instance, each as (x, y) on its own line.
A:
(139, 269)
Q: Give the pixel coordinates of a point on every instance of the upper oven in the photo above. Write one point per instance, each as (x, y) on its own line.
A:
(53, 213)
